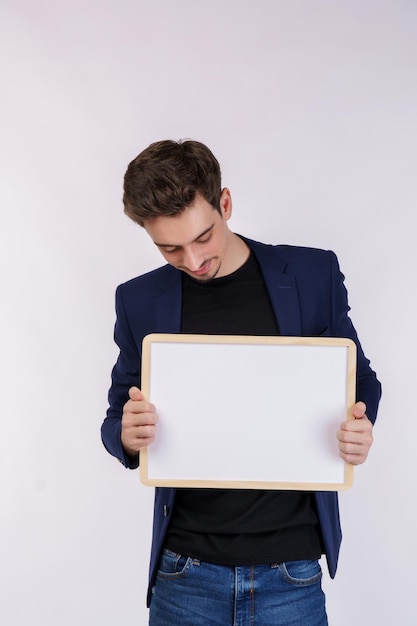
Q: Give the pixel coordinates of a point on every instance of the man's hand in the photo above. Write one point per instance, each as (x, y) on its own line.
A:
(139, 421)
(355, 436)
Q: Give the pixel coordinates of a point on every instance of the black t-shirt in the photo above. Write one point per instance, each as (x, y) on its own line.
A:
(239, 527)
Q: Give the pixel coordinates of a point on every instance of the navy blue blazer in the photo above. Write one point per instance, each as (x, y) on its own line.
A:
(308, 296)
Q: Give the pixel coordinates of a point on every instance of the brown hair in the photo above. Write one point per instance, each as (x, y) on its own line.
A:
(165, 178)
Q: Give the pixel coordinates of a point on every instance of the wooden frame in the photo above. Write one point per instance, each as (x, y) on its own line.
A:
(244, 412)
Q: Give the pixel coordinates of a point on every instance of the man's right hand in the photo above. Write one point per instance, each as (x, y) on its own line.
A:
(139, 421)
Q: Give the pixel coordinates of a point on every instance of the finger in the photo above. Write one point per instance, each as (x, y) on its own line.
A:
(137, 418)
(134, 439)
(147, 431)
(354, 459)
(355, 437)
(359, 410)
(345, 437)
(354, 452)
(356, 426)
(137, 403)
(135, 394)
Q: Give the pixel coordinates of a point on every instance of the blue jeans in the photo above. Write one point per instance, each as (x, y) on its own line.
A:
(189, 592)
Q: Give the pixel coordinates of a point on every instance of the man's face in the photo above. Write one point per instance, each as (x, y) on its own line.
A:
(197, 241)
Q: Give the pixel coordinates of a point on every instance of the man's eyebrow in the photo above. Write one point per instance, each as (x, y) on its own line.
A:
(175, 245)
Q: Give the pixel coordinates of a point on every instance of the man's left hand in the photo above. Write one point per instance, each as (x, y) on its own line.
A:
(355, 436)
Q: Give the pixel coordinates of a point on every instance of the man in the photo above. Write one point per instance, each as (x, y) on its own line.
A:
(227, 556)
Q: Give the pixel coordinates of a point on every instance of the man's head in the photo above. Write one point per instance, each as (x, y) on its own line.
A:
(166, 177)
(173, 189)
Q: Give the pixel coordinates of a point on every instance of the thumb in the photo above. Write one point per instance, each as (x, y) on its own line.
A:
(359, 410)
(135, 394)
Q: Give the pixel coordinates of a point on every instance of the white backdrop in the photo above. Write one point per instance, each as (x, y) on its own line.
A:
(310, 106)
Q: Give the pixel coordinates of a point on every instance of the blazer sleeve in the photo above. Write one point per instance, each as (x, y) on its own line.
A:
(368, 387)
(125, 374)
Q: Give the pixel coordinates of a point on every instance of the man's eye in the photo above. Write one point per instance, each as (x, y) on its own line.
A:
(168, 250)
(205, 240)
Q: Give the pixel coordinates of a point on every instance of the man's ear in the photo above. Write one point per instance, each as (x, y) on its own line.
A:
(226, 203)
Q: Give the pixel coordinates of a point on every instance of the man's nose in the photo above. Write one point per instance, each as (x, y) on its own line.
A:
(192, 259)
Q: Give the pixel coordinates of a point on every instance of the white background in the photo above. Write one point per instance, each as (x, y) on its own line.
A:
(310, 107)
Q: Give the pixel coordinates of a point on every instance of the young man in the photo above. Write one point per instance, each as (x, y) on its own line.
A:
(221, 556)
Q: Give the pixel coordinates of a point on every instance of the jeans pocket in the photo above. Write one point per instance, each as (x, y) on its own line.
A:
(172, 565)
(301, 573)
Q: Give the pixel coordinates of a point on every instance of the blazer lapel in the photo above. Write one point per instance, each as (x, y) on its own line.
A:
(281, 287)
(168, 304)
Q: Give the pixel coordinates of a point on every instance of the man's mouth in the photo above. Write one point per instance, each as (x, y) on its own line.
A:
(204, 269)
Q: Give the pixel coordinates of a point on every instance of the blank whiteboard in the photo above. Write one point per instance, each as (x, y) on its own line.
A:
(242, 412)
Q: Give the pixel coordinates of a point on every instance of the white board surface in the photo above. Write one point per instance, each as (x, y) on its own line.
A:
(247, 412)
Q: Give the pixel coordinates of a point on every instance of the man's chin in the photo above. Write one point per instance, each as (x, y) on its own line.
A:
(203, 278)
